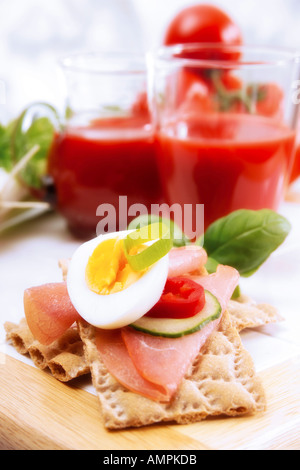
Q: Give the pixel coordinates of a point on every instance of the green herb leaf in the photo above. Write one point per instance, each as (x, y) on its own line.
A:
(162, 245)
(237, 293)
(227, 98)
(40, 133)
(5, 149)
(179, 238)
(211, 265)
(245, 239)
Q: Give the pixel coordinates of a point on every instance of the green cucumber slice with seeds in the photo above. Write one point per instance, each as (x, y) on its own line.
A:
(175, 328)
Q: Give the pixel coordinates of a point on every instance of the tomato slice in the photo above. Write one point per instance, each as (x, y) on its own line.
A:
(181, 298)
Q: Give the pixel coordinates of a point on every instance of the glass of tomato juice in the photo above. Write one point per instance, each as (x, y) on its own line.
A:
(105, 148)
(225, 123)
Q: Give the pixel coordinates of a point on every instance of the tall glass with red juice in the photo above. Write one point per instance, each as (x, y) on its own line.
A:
(295, 173)
(106, 148)
(225, 126)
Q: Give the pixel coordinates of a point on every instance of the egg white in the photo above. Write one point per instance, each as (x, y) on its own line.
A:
(121, 308)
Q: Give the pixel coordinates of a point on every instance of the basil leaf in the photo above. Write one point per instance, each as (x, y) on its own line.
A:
(245, 239)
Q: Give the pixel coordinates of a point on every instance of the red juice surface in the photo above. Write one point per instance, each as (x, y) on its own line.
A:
(95, 165)
(226, 162)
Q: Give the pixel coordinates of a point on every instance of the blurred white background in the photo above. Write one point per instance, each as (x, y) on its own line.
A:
(34, 33)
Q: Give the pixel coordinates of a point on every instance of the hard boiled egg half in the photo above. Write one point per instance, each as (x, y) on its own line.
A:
(105, 290)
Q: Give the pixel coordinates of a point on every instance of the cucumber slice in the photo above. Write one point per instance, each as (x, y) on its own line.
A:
(175, 328)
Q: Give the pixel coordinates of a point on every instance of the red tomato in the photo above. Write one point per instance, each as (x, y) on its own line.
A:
(140, 106)
(231, 82)
(228, 98)
(269, 100)
(204, 24)
(193, 92)
(196, 94)
(182, 298)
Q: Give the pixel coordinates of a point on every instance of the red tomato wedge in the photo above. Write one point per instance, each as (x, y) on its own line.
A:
(49, 311)
(185, 260)
(181, 298)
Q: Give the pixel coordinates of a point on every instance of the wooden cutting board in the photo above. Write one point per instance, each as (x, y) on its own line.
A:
(39, 413)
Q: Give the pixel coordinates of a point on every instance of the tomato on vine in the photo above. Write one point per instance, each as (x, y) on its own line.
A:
(204, 24)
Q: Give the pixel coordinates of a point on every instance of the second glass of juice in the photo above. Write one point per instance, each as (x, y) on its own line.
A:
(226, 121)
(105, 148)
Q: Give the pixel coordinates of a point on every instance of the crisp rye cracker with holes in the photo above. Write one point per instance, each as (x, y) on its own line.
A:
(158, 324)
(155, 329)
(220, 381)
(64, 358)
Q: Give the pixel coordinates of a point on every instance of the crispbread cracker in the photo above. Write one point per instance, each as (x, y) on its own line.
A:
(64, 357)
(64, 266)
(221, 381)
(245, 313)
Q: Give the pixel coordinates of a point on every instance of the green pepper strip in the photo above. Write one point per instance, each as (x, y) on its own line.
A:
(163, 242)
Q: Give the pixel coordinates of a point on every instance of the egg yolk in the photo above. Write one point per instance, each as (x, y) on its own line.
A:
(108, 271)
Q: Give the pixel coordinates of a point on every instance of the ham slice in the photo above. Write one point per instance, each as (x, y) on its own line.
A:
(186, 260)
(115, 356)
(221, 284)
(163, 362)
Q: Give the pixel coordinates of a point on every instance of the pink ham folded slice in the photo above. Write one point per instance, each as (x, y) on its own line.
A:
(221, 284)
(141, 362)
(152, 366)
(165, 361)
(115, 356)
(186, 260)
